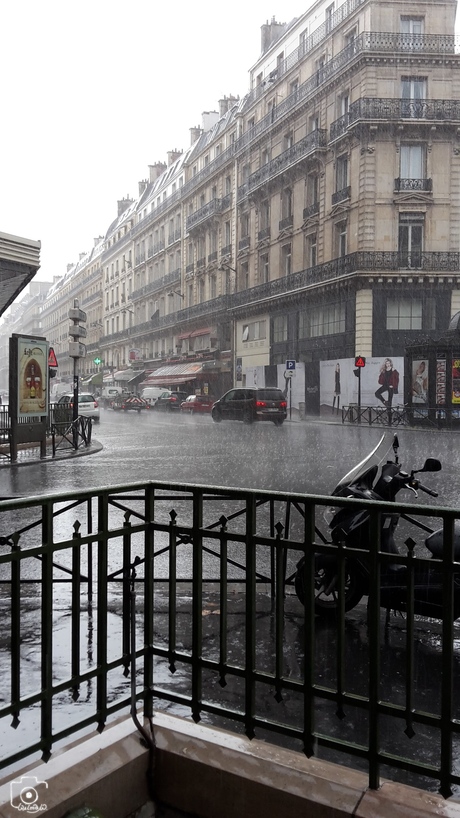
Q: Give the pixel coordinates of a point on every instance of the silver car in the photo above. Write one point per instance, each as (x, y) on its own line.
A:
(87, 404)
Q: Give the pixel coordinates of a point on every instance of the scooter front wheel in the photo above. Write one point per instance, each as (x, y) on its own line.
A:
(327, 585)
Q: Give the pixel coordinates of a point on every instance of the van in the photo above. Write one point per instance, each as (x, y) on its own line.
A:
(152, 393)
(111, 391)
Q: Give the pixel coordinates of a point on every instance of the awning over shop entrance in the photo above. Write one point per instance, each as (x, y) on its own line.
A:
(128, 375)
(173, 374)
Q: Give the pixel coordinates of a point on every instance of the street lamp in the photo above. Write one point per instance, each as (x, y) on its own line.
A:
(224, 266)
(176, 292)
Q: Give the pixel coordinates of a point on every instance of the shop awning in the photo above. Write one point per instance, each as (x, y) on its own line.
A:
(205, 331)
(173, 374)
(128, 375)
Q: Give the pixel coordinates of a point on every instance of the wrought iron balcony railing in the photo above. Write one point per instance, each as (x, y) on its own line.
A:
(422, 185)
(307, 146)
(105, 568)
(208, 211)
(394, 110)
(341, 195)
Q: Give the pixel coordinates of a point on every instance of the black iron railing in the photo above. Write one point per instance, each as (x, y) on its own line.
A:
(70, 566)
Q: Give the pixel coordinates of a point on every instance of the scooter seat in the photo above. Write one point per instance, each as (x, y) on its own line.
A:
(434, 542)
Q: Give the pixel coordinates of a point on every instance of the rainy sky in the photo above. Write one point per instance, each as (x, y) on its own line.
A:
(94, 92)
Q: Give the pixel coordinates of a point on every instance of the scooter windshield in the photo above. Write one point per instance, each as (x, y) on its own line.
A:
(374, 458)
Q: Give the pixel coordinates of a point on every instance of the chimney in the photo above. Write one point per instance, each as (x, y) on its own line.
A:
(97, 240)
(69, 267)
(173, 155)
(209, 118)
(81, 255)
(195, 134)
(226, 103)
(270, 33)
(156, 170)
(142, 186)
(123, 204)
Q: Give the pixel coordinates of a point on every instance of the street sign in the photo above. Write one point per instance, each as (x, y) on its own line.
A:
(52, 360)
(360, 361)
(75, 314)
(77, 350)
(97, 361)
(290, 365)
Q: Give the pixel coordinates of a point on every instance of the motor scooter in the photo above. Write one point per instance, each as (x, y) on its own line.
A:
(373, 479)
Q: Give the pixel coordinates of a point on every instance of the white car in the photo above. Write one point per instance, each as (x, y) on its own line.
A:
(87, 404)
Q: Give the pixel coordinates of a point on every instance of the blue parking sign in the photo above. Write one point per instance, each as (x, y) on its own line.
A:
(290, 365)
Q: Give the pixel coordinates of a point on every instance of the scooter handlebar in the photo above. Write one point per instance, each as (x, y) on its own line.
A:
(428, 491)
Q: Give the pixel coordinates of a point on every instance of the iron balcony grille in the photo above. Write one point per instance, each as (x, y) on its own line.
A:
(271, 170)
(422, 185)
(111, 563)
(395, 110)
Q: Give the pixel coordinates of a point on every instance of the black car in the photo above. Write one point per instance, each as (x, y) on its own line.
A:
(250, 404)
(170, 401)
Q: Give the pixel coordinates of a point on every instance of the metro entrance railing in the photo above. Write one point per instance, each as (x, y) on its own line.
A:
(170, 581)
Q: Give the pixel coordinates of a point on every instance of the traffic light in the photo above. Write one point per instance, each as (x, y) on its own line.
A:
(360, 363)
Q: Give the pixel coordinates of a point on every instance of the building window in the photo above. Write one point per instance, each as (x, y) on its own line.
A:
(244, 276)
(286, 259)
(256, 331)
(312, 189)
(264, 267)
(412, 162)
(413, 92)
(213, 287)
(327, 320)
(341, 172)
(286, 203)
(329, 16)
(265, 157)
(404, 313)
(412, 25)
(288, 140)
(244, 225)
(313, 123)
(341, 239)
(410, 243)
(312, 250)
(280, 328)
(264, 214)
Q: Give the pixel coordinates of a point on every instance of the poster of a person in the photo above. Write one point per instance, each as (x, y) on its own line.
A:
(336, 388)
(419, 387)
(388, 382)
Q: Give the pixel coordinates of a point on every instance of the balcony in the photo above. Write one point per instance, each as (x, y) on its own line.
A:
(308, 146)
(310, 211)
(286, 223)
(341, 195)
(374, 110)
(208, 211)
(244, 243)
(263, 234)
(413, 185)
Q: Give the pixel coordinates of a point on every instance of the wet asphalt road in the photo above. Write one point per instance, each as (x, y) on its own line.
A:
(301, 456)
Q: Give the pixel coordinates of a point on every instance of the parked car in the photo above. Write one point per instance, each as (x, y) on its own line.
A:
(251, 404)
(88, 406)
(170, 401)
(152, 393)
(197, 403)
(129, 402)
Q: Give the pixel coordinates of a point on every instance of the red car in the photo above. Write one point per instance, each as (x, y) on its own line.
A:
(197, 403)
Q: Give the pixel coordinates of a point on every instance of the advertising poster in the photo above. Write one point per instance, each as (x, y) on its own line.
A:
(382, 383)
(32, 377)
(456, 379)
(441, 372)
(419, 382)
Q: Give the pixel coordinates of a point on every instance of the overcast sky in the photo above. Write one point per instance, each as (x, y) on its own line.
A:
(94, 92)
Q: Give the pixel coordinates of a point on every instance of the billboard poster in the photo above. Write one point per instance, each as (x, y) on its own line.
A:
(456, 378)
(382, 383)
(32, 377)
(441, 373)
(419, 382)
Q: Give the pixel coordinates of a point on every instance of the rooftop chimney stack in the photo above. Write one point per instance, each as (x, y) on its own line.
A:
(173, 155)
(195, 134)
(156, 170)
(270, 33)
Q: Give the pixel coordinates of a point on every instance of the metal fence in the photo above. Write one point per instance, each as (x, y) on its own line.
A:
(61, 430)
(402, 415)
(188, 590)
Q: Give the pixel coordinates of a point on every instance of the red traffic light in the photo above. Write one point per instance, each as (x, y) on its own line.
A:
(360, 361)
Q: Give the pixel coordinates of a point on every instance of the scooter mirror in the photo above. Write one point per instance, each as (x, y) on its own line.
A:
(431, 464)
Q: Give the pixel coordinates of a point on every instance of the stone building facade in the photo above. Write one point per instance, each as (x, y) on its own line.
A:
(315, 218)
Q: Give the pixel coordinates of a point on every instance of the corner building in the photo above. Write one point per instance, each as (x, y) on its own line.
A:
(316, 218)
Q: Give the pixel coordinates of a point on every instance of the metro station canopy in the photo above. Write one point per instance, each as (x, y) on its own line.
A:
(19, 262)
